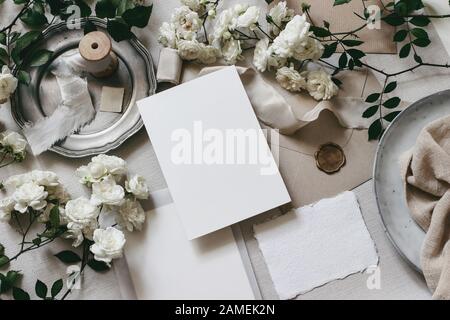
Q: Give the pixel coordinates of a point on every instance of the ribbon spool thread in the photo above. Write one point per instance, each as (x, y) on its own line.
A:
(96, 50)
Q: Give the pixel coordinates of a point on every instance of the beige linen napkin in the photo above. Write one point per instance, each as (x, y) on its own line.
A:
(426, 173)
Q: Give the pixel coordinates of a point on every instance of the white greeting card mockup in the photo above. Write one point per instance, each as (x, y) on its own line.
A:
(213, 153)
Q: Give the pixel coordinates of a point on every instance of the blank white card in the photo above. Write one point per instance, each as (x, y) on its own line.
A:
(213, 153)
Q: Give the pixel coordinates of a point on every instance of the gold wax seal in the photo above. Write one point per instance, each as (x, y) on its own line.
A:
(330, 158)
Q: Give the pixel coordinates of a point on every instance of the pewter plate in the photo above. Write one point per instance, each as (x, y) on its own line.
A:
(400, 136)
(108, 130)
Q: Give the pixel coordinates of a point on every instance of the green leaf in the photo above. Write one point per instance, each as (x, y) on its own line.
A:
(123, 5)
(4, 285)
(352, 43)
(85, 9)
(375, 130)
(390, 87)
(400, 35)
(405, 50)
(89, 27)
(24, 77)
(41, 289)
(420, 21)
(98, 266)
(370, 111)
(329, 50)
(373, 97)
(56, 288)
(20, 1)
(339, 2)
(392, 103)
(19, 294)
(33, 18)
(391, 116)
(105, 9)
(3, 56)
(2, 38)
(2, 250)
(419, 33)
(56, 6)
(138, 16)
(4, 260)
(40, 57)
(320, 32)
(22, 43)
(393, 20)
(351, 64)
(12, 277)
(343, 60)
(54, 216)
(37, 241)
(68, 256)
(119, 31)
(417, 58)
(422, 42)
(355, 53)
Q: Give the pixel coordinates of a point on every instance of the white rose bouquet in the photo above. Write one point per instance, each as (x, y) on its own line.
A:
(12, 148)
(95, 224)
(286, 47)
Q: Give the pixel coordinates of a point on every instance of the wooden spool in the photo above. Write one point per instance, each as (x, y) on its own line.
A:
(96, 48)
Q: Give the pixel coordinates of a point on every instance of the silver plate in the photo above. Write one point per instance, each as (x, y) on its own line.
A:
(108, 130)
(400, 136)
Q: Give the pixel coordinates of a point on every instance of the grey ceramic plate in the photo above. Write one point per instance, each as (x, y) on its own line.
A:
(108, 130)
(400, 136)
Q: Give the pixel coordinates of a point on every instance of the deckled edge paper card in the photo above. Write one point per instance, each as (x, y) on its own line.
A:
(315, 244)
(212, 152)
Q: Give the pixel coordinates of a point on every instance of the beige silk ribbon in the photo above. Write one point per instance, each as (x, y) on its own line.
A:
(270, 106)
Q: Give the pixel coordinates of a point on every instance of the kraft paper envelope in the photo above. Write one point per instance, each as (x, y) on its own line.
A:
(342, 19)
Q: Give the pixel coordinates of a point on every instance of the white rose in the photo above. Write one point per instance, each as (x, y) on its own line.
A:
(78, 233)
(231, 51)
(108, 244)
(226, 22)
(13, 140)
(186, 22)
(114, 165)
(194, 5)
(320, 86)
(107, 192)
(18, 180)
(240, 8)
(167, 35)
(279, 14)
(249, 18)
(137, 186)
(45, 178)
(30, 195)
(208, 54)
(189, 50)
(8, 84)
(6, 208)
(274, 61)
(293, 38)
(130, 215)
(313, 50)
(81, 211)
(290, 79)
(260, 56)
(58, 193)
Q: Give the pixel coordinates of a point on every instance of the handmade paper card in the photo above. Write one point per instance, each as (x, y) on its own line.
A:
(213, 153)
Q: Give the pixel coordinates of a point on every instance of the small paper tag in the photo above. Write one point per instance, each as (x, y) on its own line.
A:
(112, 99)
